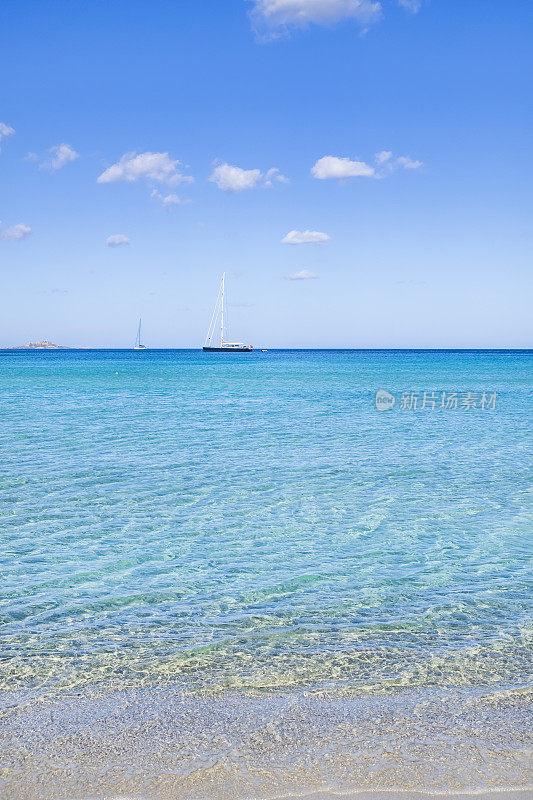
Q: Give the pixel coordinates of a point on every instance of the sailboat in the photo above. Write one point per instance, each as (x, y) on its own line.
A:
(212, 342)
(138, 343)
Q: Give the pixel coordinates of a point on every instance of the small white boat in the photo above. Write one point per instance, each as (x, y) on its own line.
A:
(138, 343)
(212, 345)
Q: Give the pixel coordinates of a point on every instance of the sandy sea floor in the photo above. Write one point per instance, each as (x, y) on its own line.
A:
(159, 744)
(313, 597)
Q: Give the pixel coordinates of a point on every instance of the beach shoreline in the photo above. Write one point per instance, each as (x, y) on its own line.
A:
(397, 794)
(159, 743)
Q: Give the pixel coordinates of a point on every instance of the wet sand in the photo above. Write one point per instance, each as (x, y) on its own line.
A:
(503, 794)
(160, 744)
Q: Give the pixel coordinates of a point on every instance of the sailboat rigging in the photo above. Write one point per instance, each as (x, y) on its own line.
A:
(138, 342)
(212, 342)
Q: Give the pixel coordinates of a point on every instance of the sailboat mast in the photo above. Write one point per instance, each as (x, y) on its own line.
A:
(211, 344)
(222, 313)
(139, 332)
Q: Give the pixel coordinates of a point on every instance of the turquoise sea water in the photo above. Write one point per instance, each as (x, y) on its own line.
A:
(251, 526)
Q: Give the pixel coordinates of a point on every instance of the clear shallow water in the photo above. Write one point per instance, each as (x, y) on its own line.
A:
(251, 523)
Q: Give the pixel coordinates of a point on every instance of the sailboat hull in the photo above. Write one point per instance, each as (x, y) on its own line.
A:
(226, 346)
(227, 349)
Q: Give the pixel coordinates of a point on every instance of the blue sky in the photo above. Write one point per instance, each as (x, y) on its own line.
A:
(276, 109)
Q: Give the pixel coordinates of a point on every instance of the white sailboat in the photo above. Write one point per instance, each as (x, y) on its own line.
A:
(138, 343)
(214, 344)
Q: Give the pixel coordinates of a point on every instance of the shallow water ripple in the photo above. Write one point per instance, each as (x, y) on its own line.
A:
(259, 524)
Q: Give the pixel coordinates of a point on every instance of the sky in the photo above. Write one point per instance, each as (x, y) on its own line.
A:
(360, 170)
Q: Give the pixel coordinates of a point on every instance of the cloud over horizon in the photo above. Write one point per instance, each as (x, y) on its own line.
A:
(383, 156)
(235, 179)
(59, 155)
(408, 163)
(133, 167)
(279, 16)
(305, 237)
(15, 232)
(274, 175)
(413, 6)
(390, 164)
(334, 167)
(116, 240)
(274, 18)
(168, 200)
(302, 275)
(5, 131)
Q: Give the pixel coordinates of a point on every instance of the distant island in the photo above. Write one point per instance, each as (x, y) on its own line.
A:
(44, 345)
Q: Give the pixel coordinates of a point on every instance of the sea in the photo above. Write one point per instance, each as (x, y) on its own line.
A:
(265, 575)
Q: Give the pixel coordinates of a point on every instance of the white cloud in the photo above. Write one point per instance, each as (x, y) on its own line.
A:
(273, 174)
(19, 231)
(168, 200)
(278, 16)
(117, 240)
(384, 155)
(56, 157)
(59, 155)
(302, 275)
(235, 179)
(333, 167)
(5, 131)
(305, 237)
(408, 163)
(390, 164)
(411, 5)
(157, 167)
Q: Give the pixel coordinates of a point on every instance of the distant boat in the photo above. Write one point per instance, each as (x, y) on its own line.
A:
(138, 343)
(212, 343)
